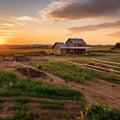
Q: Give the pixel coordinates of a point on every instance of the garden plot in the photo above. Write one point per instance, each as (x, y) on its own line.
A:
(98, 65)
(107, 63)
(105, 66)
(24, 99)
(30, 72)
(76, 73)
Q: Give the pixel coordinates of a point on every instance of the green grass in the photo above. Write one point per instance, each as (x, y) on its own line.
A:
(1, 108)
(23, 100)
(11, 85)
(70, 72)
(67, 71)
(1, 100)
(24, 115)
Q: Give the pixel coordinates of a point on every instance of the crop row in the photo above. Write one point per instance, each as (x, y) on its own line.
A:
(11, 85)
(71, 72)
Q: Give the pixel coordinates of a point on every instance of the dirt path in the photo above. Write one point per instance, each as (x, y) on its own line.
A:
(93, 91)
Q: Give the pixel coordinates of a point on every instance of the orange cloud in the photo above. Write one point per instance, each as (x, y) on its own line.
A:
(26, 18)
(95, 27)
(9, 25)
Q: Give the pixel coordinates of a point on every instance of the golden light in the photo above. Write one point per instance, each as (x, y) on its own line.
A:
(2, 41)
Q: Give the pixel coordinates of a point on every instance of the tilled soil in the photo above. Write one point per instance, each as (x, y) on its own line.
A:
(30, 72)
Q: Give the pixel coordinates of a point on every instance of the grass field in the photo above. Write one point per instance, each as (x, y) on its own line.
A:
(101, 48)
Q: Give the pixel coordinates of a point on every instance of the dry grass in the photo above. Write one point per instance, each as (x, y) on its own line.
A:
(24, 51)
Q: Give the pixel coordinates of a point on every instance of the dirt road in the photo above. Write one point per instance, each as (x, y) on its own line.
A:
(93, 91)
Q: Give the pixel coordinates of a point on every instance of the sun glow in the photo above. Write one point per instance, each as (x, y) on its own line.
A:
(2, 41)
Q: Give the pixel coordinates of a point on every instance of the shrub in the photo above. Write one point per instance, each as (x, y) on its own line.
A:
(101, 112)
(116, 46)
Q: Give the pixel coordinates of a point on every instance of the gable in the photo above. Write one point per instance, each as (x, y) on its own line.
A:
(61, 45)
(75, 41)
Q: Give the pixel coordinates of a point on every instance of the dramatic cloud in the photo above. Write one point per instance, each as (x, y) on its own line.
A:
(54, 5)
(95, 27)
(87, 9)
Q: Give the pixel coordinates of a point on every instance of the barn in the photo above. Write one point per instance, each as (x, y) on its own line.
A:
(72, 46)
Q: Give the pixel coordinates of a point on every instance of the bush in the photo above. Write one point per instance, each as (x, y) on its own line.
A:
(116, 46)
(101, 112)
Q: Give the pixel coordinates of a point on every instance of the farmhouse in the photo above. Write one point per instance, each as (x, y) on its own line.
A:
(72, 46)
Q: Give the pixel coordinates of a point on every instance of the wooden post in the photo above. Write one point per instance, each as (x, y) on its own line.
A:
(28, 70)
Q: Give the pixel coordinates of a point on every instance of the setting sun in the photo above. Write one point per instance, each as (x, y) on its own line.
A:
(2, 41)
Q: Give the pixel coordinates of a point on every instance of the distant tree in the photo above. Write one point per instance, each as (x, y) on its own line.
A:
(116, 46)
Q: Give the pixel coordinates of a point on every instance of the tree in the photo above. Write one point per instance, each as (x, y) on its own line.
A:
(116, 46)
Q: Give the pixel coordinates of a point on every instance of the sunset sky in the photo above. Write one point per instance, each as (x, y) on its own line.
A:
(48, 21)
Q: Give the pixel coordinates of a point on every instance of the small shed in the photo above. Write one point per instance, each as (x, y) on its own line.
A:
(59, 48)
(20, 58)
